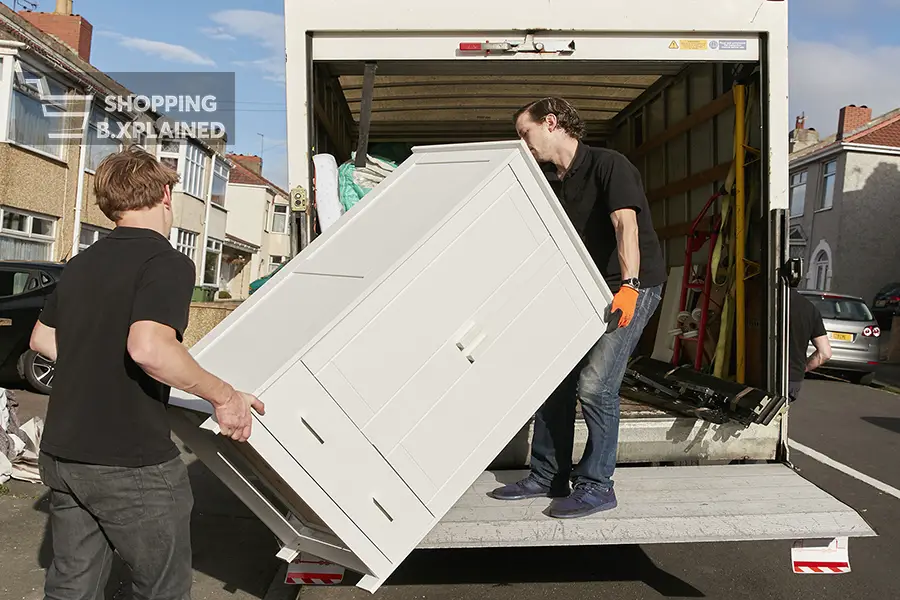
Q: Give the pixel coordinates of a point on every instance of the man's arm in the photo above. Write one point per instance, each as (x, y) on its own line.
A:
(156, 349)
(625, 223)
(43, 340)
(43, 336)
(821, 355)
(159, 317)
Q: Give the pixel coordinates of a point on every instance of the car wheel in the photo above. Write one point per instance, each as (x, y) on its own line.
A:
(38, 371)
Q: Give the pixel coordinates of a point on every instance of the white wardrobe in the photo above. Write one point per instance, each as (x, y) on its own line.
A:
(403, 349)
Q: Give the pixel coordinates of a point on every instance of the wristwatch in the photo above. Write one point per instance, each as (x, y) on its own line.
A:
(633, 283)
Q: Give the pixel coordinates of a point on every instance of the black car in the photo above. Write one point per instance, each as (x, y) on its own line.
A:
(24, 287)
(886, 304)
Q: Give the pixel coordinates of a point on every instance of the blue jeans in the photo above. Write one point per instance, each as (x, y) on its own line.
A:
(595, 381)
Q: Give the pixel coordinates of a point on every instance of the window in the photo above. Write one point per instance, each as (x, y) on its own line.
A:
(89, 235)
(843, 309)
(275, 262)
(25, 236)
(101, 143)
(220, 182)
(827, 200)
(280, 218)
(822, 266)
(170, 154)
(798, 193)
(213, 262)
(194, 171)
(13, 283)
(186, 243)
(37, 114)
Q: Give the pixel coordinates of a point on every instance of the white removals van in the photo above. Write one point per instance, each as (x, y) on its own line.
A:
(653, 79)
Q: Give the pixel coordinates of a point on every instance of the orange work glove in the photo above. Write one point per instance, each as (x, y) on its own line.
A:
(625, 300)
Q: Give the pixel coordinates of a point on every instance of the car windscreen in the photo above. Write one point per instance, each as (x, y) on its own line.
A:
(843, 309)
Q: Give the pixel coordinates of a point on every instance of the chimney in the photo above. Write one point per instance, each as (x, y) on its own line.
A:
(851, 118)
(73, 30)
(801, 137)
(250, 162)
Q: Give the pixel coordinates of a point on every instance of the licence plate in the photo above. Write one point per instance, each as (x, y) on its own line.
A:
(880, 302)
(841, 337)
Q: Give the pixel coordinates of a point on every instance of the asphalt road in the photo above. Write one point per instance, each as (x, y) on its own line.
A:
(855, 425)
(234, 553)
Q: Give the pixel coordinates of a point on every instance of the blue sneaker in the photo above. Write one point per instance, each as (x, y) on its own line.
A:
(587, 499)
(522, 490)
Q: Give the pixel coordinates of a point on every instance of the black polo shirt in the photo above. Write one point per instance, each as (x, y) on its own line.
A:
(104, 409)
(805, 324)
(599, 182)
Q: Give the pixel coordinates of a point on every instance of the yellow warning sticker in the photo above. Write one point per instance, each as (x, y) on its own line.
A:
(673, 45)
(694, 44)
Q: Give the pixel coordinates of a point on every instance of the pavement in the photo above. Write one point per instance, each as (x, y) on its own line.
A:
(234, 554)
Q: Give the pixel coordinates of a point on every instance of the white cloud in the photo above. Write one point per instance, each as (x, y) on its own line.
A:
(826, 76)
(266, 28)
(163, 50)
(271, 69)
(217, 33)
(263, 28)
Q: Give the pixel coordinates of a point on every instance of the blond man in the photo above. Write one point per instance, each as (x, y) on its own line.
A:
(114, 325)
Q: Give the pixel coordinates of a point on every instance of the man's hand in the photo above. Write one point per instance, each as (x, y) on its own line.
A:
(234, 417)
(625, 300)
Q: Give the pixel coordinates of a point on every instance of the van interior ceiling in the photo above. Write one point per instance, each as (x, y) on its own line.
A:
(674, 120)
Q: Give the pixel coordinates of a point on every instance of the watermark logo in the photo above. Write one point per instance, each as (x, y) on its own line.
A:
(166, 106)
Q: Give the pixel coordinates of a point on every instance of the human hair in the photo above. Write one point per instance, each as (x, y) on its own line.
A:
(131, 179)
(569, 119)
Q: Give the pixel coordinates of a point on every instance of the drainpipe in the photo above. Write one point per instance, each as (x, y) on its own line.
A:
(82, 163)
(212, 176)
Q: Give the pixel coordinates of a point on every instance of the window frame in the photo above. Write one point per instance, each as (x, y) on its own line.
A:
(274, 265)
(825, 180)
(213, 247)
(37, 93)
(221, 172)
(92, 127)
(287, 211)
(48, 239)
(182, 236)
(194, 170)
(804, 176)
(97, 233)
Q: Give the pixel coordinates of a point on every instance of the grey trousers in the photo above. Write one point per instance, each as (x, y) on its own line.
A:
(142, 513)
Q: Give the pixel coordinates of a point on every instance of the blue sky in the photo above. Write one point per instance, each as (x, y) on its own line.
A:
(842, 52)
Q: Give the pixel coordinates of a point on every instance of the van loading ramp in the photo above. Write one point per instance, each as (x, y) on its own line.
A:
(657, 505)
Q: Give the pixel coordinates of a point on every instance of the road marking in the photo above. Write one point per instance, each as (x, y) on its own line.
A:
(845, 469)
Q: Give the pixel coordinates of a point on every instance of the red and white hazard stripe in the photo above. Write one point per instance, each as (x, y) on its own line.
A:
(821, 567)
(314, 578)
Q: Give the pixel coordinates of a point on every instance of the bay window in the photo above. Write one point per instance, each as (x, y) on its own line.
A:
(220, 182)
(37, 117)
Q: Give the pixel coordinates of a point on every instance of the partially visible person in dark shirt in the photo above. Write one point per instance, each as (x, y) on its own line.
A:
(805, 325)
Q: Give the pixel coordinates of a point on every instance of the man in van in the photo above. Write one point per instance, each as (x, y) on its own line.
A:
(603, 196)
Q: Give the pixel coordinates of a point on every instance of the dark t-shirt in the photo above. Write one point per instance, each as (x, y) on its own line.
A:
(104, 409)
(805, 324)
(599, 182)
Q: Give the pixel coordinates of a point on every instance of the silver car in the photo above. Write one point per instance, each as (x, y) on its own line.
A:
(853, 333)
